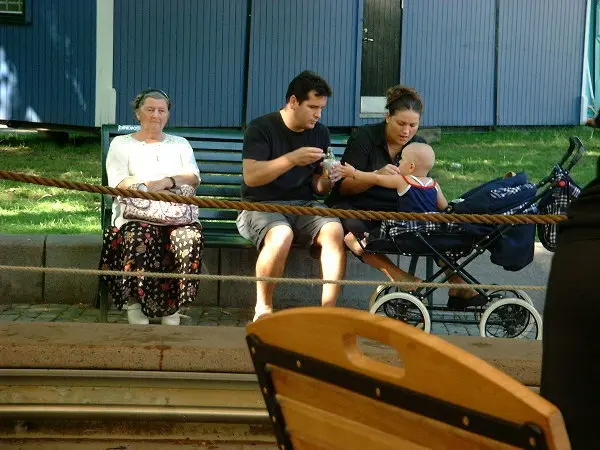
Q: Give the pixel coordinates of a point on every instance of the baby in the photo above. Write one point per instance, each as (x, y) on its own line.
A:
(416, 191)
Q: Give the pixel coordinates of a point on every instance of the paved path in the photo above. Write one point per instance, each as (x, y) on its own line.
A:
(534, 274)
(195, 315)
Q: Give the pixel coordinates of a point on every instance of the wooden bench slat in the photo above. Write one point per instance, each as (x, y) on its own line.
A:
(217, 214)
(235, 169)
(192, 134)
(225, 240)
(218, 191)
(203, 157)
(209, 178)
(217, 146)
(219, 227)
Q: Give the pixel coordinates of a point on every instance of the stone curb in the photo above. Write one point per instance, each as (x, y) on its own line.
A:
(200, 349)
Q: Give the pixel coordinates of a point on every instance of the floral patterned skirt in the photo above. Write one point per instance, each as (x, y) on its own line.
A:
(143, 247)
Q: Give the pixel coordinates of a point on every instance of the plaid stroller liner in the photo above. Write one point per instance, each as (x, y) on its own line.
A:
(511, 195)
(556, 201)
(500, 196)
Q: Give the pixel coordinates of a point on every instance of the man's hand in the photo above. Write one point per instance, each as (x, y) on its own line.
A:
(304, 156)
(388, 169)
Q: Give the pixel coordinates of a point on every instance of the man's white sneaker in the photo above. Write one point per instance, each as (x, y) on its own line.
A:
(135, 316)
(173, 319)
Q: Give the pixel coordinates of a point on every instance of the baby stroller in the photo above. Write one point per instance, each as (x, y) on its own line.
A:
(502, 313)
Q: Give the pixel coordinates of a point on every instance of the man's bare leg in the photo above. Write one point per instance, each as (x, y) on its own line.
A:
(270, 263)
(333, 260)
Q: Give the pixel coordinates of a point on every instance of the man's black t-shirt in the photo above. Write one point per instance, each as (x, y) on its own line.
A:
(268, 138)
(367, 151)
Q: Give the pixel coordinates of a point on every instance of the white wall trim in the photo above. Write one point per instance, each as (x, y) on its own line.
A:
(106, 96)
(587, 80)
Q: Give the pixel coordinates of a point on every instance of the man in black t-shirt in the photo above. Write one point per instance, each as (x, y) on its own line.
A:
(281, 164)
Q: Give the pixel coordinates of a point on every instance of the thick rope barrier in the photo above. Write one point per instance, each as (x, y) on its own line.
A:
(203, 202)
(251, 279)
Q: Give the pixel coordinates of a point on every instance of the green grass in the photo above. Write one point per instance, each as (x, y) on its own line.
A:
(32, 209)
(489, 155)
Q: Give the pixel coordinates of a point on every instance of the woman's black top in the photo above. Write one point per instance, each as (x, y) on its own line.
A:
(367, 151)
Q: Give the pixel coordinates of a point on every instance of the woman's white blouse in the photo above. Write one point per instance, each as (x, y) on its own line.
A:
(128, 157)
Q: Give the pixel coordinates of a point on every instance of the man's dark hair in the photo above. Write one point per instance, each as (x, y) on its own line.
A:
(306, 82)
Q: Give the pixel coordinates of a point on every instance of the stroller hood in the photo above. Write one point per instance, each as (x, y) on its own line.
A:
(513, 195)
(499, 196)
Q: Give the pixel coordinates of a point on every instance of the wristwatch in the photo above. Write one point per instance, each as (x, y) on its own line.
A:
(142, 187)
(173, 181)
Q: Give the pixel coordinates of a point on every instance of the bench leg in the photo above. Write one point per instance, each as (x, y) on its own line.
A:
(412, 268)
(102, 300)
(428, 275)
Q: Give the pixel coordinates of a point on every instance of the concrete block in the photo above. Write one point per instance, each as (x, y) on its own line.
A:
(76, 251)
(21, 250)
(203, 349)
(83, 251)
(358, 296)
(236, 293)
(299, 265)
(208, 291)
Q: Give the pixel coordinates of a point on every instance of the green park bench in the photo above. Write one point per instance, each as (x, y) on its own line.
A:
(218, 154)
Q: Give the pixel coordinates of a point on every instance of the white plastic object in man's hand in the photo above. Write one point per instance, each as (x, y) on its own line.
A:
(329, 160)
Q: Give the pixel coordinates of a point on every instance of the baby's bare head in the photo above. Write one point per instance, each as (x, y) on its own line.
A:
(421, 155)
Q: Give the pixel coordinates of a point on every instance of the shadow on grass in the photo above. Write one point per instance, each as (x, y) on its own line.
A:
(34, 139)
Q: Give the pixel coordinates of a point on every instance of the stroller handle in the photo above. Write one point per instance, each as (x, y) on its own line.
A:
(573, 153)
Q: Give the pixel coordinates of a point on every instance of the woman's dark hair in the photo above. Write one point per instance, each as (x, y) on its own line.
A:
(402, 98)
(152, 93)
(306, 82)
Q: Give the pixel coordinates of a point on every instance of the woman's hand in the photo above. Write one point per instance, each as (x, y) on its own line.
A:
(388, 169)
(164, 184)
(340, 171)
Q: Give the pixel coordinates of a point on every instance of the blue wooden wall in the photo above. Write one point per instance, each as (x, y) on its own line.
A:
(54, 59)
(540, 63)
(476, 62)
(448, 56)
(288, 37)
(192, 49)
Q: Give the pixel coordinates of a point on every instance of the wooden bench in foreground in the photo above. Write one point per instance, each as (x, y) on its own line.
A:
(323, 392)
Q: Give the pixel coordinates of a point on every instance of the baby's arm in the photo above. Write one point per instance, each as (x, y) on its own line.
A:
(442, 203)
(387, 181)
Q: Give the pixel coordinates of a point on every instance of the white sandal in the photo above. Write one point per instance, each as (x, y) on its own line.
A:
(135, 316)
(173, 319)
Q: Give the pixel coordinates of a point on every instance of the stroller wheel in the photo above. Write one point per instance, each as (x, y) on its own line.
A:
(511, 318)
(502, 294)
(404, 307)
(379, 292)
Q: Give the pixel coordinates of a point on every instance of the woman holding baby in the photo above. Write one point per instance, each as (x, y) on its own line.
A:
(377, 148)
